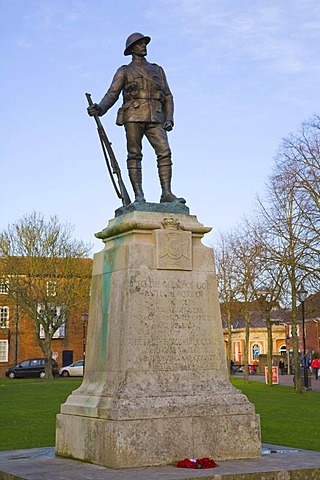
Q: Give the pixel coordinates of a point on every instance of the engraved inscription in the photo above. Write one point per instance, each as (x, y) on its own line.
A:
(175, 324)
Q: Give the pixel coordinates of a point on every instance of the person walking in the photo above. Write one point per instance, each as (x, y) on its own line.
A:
(281, 366)
(315, 365)
(147, 110)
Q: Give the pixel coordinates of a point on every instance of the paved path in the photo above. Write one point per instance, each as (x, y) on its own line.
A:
(283, 380)
(276, 463)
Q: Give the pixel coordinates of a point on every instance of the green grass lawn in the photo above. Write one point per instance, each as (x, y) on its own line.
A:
(29, 407)
(287, 418)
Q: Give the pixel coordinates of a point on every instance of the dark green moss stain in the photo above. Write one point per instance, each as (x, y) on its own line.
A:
(108, 269)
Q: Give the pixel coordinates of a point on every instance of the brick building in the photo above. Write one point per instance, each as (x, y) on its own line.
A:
(18, 334)
(281, 332)
(312, 324)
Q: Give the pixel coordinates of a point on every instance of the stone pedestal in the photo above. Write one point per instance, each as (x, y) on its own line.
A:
(156, 388)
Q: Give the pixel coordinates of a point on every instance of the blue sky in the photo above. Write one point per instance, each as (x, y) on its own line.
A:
(243, 74)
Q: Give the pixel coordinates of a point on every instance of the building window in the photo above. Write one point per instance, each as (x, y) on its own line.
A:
(61, 331)
(283, 349)
(51, 289)
(4, 350)
(290, 331)
(4, 287)
(255, 351)
(4, 317)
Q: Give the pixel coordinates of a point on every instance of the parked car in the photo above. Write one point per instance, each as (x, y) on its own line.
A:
(33, 367)
(73, 370)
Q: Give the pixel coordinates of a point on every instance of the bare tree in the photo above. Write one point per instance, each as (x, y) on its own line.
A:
(48, 274)
(245, 266)
(280, 249)
(237, 268)
(269, 280)
(299, 159)
(226, 285)
(284, 240)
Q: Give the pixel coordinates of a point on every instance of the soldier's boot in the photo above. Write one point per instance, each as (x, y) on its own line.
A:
(135, 175)
(165, 175)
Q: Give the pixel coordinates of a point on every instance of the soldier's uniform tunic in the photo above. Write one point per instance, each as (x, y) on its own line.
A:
(147, 104)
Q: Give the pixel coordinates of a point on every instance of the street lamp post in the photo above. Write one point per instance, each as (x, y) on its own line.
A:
(302, 295)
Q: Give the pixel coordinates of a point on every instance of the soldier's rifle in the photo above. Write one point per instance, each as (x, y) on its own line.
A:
(111, 161)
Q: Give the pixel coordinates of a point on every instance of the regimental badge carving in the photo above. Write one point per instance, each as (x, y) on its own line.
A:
(174, 246)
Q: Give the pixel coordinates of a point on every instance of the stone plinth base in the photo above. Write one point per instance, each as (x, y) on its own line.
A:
(156, 441)
(156, 388)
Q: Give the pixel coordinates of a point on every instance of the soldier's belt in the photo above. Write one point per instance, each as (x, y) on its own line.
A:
(145, 96)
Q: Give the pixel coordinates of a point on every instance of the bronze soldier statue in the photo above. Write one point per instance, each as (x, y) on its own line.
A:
(147, 109)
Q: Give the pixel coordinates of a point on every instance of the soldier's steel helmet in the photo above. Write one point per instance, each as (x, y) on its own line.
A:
(132, 39)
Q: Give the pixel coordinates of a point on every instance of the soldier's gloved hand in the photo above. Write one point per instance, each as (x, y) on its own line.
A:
(168, 125)
(94, 110)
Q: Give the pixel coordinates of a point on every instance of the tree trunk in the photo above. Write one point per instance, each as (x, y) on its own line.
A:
(269, 351)
(296, 359)
(48, 367)
(246, 349)
(46, 350)
(229, 351)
